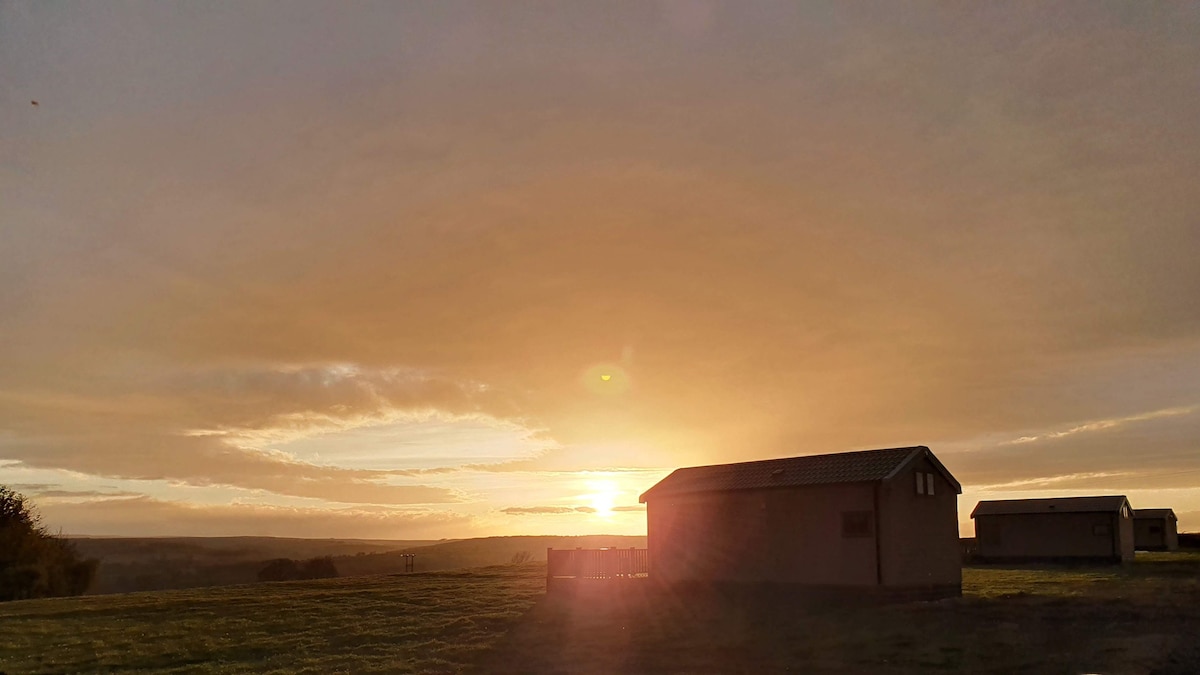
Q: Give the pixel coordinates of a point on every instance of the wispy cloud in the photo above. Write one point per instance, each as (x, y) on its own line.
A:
(1053, 482)
(546, 510)
(1102, 425)
(81, 494)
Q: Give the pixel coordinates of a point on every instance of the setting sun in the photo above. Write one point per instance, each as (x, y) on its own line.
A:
(603, 497)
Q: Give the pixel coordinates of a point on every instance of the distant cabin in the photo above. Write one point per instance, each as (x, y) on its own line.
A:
(1059, 528)
(1155, 530)
(873, 519)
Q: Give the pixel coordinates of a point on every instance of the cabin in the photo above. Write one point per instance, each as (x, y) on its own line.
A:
(1155, 530)
(877, 519)
(1063, 529)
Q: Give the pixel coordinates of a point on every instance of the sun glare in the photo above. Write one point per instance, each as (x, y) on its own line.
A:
(603, 497)
(603, 503)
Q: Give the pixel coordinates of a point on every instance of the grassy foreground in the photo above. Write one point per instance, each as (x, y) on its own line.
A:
(434, 622)
(1143, 618)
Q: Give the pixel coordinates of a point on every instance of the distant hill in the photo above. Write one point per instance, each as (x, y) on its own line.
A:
(160, 563)
(229, 549)
(480, 552)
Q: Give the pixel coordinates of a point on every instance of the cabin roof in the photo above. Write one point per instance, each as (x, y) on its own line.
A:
(1153, 513)
(845, 467)
(1003, 507)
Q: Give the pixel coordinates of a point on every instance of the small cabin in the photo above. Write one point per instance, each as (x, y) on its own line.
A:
(1155, 530)
(1055, 529)
(875, 519)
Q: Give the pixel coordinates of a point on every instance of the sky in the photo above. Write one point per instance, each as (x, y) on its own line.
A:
(427, 270)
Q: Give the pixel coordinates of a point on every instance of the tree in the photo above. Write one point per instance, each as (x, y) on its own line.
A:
(318, 568)
(15, 510)
(279, 569)
(284, 569)
(34, 563)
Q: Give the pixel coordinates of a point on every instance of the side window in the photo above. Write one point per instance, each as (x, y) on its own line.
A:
(924, 483)
(857, 524)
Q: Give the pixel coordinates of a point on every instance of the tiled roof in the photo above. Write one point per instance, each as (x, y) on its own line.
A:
(846, 467)
(1153, 513)
(1002, 507)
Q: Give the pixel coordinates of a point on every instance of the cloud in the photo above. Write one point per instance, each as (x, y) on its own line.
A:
(81, 494)
(153, 517)
(868, 238)
(1145, 450)
(1069, 481)
(210, 462)
(32, 487)
(546, 510)
(214, 427)
(1101, 425)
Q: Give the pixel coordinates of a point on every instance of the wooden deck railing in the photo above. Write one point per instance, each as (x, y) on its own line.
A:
(596, 563)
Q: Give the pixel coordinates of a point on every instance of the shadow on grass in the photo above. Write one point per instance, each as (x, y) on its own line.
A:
(697, 630)
(1140, 619)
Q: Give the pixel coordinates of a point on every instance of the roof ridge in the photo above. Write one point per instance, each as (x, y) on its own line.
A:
(795, 457)
(855, 466)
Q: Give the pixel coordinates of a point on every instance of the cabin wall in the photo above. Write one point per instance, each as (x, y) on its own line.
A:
(1155, 534)
(1055, 535)
(919, 533)
(779, 535)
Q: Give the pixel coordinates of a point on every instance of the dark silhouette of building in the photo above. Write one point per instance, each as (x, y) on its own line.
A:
(873, 519)
(1059, 528)
(1155, 530)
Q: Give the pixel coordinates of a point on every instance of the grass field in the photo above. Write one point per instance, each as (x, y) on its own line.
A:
(1143, 618)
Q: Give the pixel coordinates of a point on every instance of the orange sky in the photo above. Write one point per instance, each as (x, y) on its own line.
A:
(357, 270)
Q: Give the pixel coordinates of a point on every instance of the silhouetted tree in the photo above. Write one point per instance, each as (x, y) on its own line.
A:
(34, 563)
(280, 569)
(318, 568)
(283, 569)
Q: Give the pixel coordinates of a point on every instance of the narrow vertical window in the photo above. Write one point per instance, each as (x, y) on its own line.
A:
(920, 483)
(929, 480)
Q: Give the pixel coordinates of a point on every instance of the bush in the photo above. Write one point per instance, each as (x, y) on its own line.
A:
(283, 569)
(318, 568)
(280, 569)
(34, 563)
